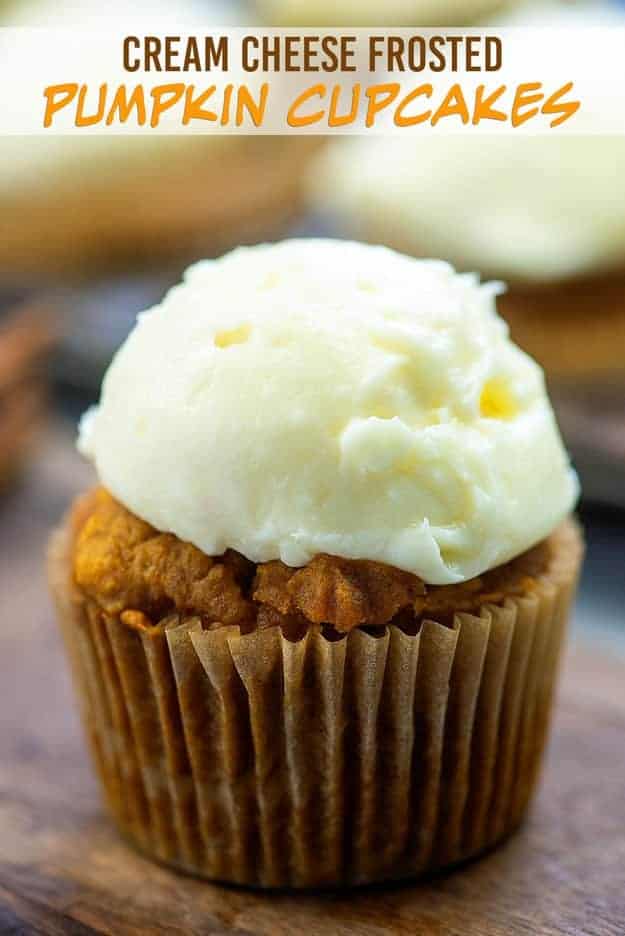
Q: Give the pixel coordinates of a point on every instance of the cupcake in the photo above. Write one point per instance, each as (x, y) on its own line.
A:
(315, 607)
(73, 204)
(544, 213)
(26, 337)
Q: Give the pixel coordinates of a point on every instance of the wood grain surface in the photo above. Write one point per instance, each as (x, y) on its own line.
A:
(63, 870)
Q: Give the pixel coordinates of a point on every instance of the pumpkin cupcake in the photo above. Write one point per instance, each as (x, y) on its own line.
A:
(315, 608)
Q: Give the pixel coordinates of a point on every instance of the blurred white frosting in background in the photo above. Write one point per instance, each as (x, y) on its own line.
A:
(37, 161)
(118, 13)
(555, 12)
(376, 13)
(525, 208)
(71, 203)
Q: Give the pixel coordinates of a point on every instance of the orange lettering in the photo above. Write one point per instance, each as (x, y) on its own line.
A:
(334, 120)
(483, 109)
(193, 109)
(293, 119)
(523, 98)
(566, 109)
(454, 105)
(380, 96)
(164, 97)
(124, 105)
(245, 101)
(400, 120)
(83, 121)
(57, 97)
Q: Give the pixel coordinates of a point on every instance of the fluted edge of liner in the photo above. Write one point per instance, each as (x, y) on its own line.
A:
(262, 761)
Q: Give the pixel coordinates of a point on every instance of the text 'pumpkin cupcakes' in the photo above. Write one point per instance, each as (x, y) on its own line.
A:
(315, 611)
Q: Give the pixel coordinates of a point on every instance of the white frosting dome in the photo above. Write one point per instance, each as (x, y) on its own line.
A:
(325, 396)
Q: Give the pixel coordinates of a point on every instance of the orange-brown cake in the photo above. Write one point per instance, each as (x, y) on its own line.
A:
(25, 339)
(125, 567)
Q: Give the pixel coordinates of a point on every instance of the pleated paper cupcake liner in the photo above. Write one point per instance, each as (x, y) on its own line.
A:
(276, 763)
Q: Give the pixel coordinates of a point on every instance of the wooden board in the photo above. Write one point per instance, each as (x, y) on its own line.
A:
(63, 870)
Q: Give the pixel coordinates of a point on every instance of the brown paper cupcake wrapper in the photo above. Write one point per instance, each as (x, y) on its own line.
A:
(262, 761)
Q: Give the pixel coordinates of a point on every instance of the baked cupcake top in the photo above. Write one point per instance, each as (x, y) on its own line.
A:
(130, 569)
(319, 396)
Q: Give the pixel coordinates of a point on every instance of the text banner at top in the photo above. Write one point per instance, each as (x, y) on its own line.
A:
(317, 81)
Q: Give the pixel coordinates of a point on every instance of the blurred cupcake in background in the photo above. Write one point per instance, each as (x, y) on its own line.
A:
(373, 13)
(544, 213)
(26, 336)
(74, 204)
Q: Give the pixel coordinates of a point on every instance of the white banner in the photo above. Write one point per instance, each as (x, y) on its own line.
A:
(320, 81)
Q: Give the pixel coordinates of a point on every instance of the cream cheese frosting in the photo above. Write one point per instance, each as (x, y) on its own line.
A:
(327, 396)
